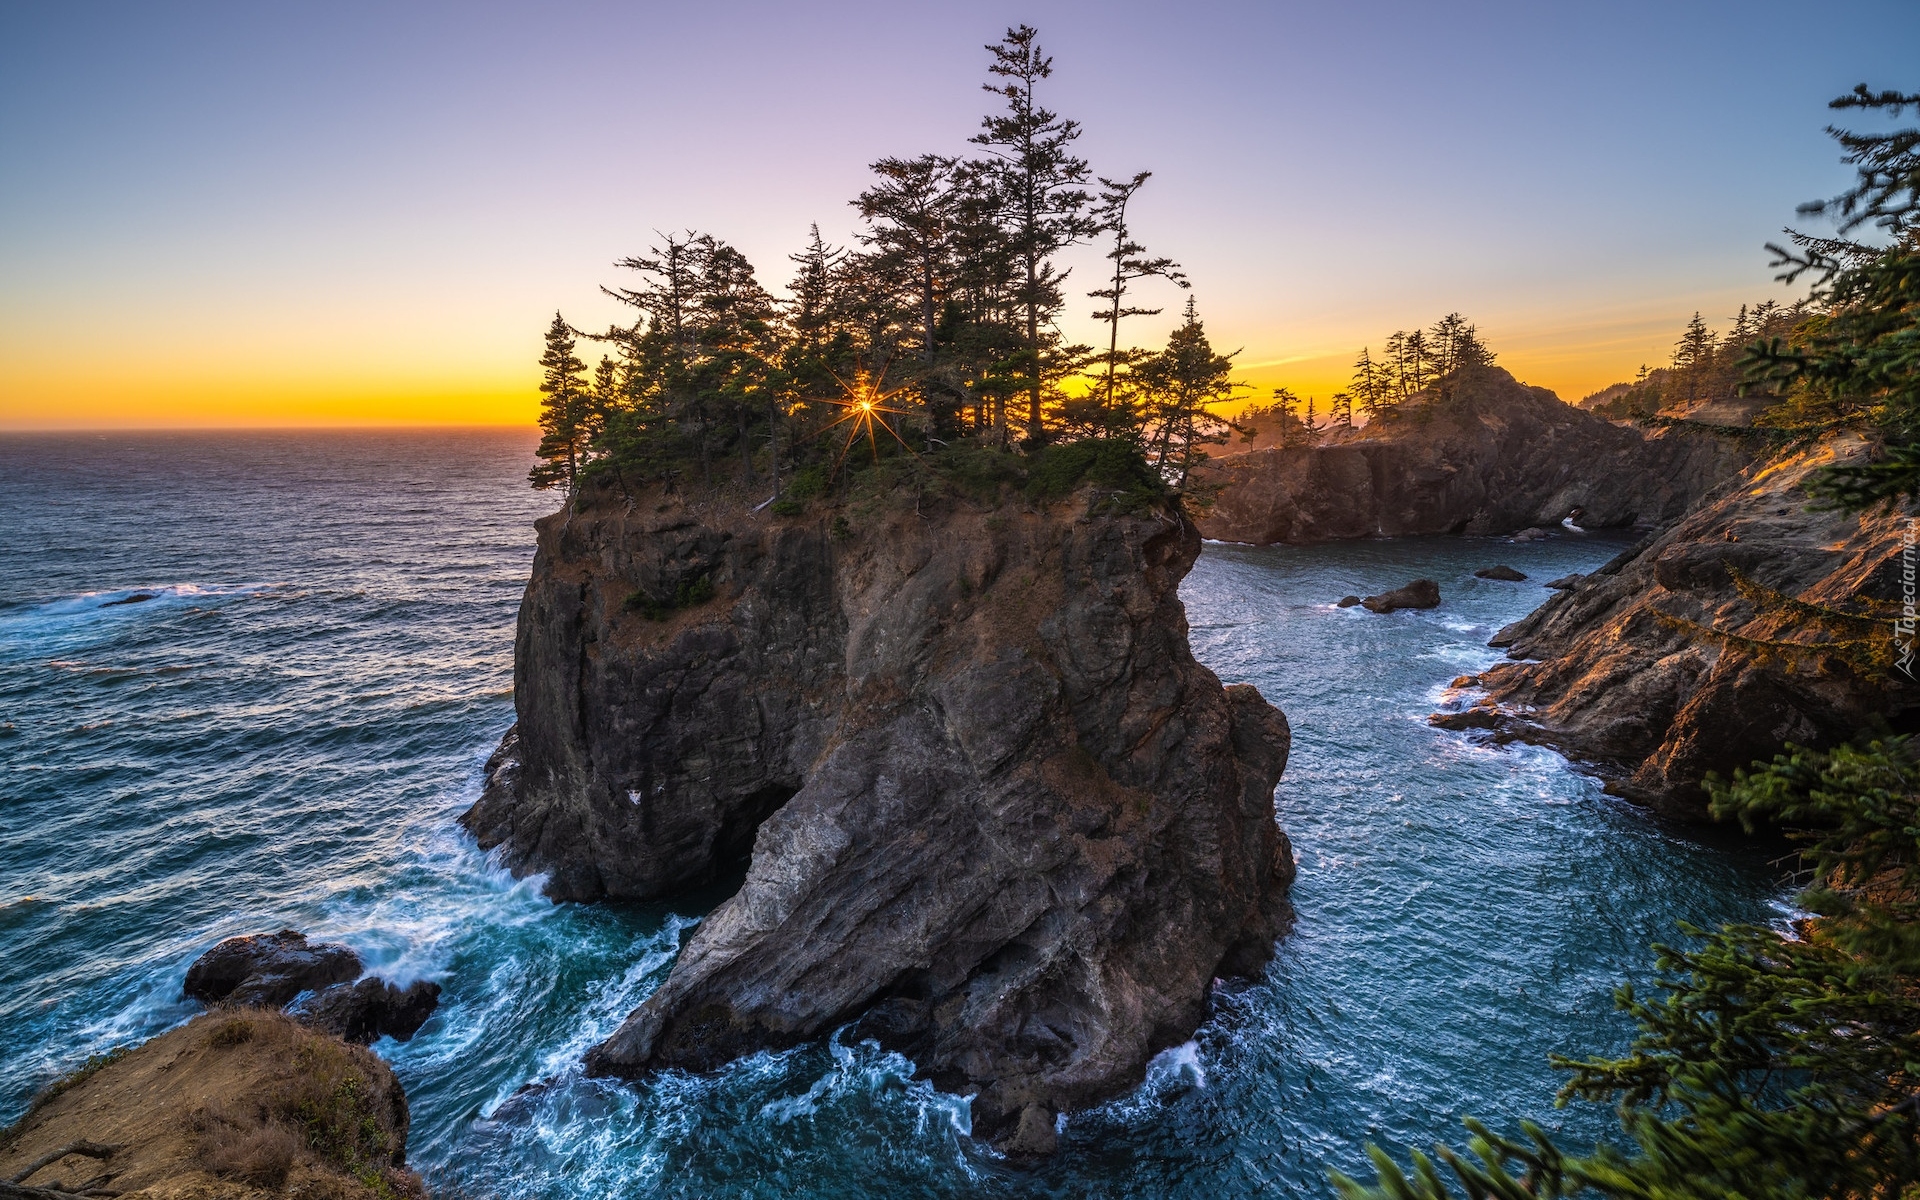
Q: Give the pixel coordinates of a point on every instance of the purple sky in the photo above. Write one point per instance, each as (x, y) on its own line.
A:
(251, 213)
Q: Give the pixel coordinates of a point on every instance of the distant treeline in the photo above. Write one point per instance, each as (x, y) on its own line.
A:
(1705, 366)
(1412, 365)
(939, 327)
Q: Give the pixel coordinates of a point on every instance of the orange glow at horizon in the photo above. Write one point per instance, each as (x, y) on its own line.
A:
(51, 387)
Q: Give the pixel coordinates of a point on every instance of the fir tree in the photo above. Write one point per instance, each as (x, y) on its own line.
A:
(1693, 359)
(1371, 386)
(1042, 185)
(908, 214)
(565, 418)
(1179, 386)
(1130, 264)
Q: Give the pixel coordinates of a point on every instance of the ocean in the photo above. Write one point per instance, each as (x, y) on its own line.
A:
(248, 681)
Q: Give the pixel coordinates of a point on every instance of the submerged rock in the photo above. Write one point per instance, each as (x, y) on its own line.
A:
(1347, 602)
(1421, 593)
(996, 810)
(269, 969)
(1492, 457)
(1502, 572)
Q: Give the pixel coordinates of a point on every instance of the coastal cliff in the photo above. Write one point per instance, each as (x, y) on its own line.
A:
(1661, 666)
(994, 809)
(1493, 457)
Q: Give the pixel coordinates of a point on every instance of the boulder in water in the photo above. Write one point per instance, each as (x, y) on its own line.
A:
(1421, 593)
(1565, 583)
(267, 970)
(1347, 602)
(1502, 572)
(362, 1012)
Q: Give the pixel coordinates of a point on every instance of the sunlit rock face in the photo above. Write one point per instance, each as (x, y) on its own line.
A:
(1495, 457)
(996, 811)
(1657, 704)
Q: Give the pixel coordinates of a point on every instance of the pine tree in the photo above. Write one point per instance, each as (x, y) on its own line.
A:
(909, 213)
(1371, 386)
(565, 418)
(1692, 359)
(1179, 385)
(1341, 412)
(1130, 265)
(1041, 183)
(1286, 406)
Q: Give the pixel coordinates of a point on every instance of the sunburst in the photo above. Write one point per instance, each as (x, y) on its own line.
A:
(865, 405)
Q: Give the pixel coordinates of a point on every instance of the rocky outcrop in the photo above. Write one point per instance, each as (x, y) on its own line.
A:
(268, 969)
(317, 982)
(236, 1104)
(1421, 593)
(1494, 457)
(366, 1011)
(1659, 667)
(995, 810)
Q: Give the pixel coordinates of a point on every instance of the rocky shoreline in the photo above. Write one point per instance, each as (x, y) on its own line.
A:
(995, 810)
(1687, 654)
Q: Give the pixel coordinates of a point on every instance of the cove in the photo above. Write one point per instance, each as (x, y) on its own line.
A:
(284, 732)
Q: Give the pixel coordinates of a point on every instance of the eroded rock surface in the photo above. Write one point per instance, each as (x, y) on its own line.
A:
(995, 809)
(268, 969)
(1656, 704)
(367, 1010)
(1495, 458)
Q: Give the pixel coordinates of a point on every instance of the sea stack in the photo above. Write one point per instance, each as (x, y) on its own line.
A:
(994, 808)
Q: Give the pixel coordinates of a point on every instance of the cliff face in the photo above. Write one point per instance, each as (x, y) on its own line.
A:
(1658, 705)
(995, 809)
(1494, 458)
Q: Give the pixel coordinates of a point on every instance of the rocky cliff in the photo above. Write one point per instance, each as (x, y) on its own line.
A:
(1493, 457)
(1661, 666)
(994, 808)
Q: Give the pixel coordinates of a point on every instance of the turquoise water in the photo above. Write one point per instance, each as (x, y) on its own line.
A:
(285, 732)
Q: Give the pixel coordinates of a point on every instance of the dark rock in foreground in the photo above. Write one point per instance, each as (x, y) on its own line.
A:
(269, 969)
(995, 809)
(272, 970)
(364, 1012)
(1502, 572)
(1421, 593)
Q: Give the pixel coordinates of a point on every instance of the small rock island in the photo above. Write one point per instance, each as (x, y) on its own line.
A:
(989, 805)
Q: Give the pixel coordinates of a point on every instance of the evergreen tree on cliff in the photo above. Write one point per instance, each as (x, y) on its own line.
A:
(1371, 386)
(566, 427)
(1042, 185)
(1130, 265)
(1860, 357)
(1180, 384)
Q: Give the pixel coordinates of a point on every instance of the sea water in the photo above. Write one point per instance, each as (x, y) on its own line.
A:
(248, 680)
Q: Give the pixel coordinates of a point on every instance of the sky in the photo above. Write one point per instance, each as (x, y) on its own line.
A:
(313, 214)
